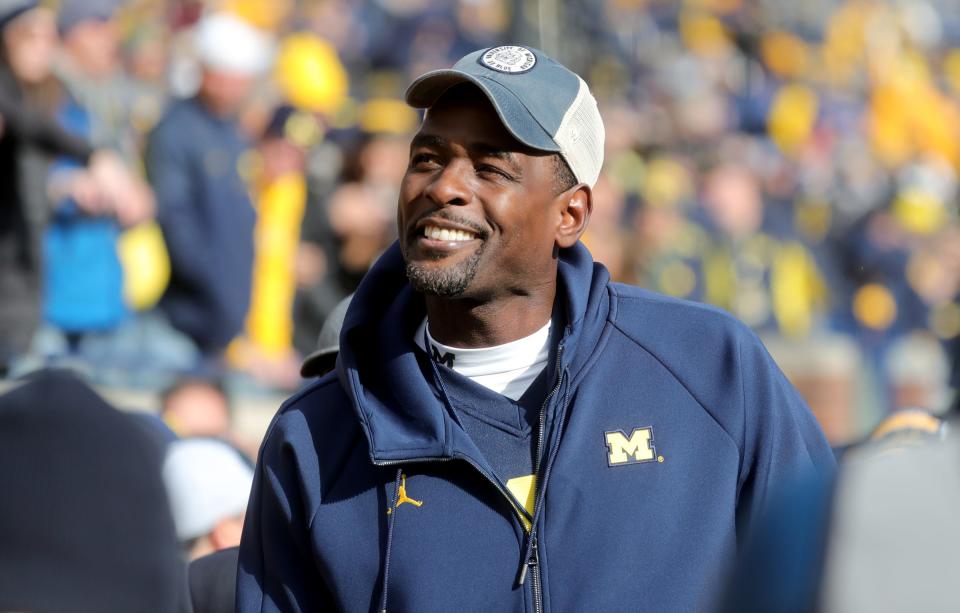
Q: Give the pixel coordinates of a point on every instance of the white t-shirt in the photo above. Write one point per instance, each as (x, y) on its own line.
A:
(507, 369)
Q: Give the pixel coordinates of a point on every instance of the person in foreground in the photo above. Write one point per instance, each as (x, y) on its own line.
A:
(506, 429)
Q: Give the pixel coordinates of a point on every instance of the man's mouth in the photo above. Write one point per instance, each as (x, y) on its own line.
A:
(448, 235)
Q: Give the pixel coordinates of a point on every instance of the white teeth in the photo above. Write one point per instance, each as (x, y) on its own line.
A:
(444, 234)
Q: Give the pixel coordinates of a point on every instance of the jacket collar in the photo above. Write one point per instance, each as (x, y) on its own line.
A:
(398, 408)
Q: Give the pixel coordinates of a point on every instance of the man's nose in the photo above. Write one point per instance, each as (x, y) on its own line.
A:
(451, 186)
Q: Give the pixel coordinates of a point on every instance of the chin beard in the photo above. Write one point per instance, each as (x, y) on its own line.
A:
(449, 282)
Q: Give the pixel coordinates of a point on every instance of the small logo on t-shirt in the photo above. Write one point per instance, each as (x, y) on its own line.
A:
(635, 449)
(447, 359)
(510, 59)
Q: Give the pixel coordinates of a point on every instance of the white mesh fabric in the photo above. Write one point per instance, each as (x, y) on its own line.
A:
(581, 135)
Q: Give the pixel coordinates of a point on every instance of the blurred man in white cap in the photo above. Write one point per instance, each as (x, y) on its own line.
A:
(208, 483)
(203, 206)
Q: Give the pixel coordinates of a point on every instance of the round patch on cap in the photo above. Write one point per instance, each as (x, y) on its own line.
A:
(509, 59)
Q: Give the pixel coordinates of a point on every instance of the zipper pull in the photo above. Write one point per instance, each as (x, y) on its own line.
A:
(532, 561)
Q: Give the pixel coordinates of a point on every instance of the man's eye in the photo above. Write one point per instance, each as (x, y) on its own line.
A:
(423, 161)
(492, 170)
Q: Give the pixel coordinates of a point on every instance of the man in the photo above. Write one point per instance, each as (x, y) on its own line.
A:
(203, 206)
(193, 406)
(30, 136)
(568, 443)
(208, 483)
(90, 68)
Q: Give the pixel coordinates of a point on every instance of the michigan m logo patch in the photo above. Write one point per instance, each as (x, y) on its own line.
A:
(635, 449)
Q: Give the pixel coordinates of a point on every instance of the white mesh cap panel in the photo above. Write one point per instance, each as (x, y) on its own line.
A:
(581, 135)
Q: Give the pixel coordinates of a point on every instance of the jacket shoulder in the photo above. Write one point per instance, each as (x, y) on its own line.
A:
(318, 405)
(314, 443)
(714, 356)
(640, 309)
(171, 125)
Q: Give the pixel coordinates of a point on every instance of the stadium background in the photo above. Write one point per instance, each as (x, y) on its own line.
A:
(794, 163)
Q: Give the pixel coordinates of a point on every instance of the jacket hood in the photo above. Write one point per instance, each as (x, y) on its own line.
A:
(399, 409)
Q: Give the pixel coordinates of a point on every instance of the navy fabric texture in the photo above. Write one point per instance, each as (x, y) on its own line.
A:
(612, 534)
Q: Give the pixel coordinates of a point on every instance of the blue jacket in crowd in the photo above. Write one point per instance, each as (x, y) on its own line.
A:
(665, 430)
(83, 276)
(207, 220)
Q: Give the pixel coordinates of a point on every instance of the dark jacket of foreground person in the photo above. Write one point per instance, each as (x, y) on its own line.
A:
(85, 525)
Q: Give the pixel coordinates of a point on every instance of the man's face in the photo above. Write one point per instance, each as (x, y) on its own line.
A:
(478, 211)
(30, 42)
(94, 46)
(225, 92)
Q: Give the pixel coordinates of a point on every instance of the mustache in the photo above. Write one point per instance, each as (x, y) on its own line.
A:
(444, 214)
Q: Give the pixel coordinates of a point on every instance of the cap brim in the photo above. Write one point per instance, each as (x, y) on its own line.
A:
(424, 92)
(319, 362)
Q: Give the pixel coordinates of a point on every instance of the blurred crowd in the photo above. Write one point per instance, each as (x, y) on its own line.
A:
(191, 187)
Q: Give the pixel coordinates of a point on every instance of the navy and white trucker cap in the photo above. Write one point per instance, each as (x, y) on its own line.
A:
(542, 103)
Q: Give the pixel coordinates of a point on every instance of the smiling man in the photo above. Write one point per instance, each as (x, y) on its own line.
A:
(506, 429)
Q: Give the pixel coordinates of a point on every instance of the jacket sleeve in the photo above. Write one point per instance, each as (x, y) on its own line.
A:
(276, 570)
(40, 130)
(782, 440)
(171, 175)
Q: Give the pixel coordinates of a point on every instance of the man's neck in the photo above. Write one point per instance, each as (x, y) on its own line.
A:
(471, 324)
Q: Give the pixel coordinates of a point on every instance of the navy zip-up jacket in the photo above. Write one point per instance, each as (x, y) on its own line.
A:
(665, 429)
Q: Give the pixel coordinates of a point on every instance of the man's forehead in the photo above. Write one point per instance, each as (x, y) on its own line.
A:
(459, 123)
(440, 139)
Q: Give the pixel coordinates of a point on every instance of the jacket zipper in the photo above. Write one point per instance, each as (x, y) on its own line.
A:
(533, 565)
(532, 561)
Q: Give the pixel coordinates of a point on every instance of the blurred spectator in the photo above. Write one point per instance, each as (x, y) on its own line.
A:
(755, 267)
(90, 68)
(203, 206)
(324, 358)
(83, 278)
(83, 290)
(918, 369)
(312, 78)
(197, 407)
(29, 136)
(208, 483)
(362, 210)
(352, 222)
(882, 536)
(85, 522)
(146, 56)
(213, 581)
(825, 368)
(266, 349)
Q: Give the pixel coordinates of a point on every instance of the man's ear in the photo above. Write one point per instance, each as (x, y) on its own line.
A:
(576, 204)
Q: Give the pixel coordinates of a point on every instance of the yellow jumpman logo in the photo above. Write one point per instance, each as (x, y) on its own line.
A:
(402, 497)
